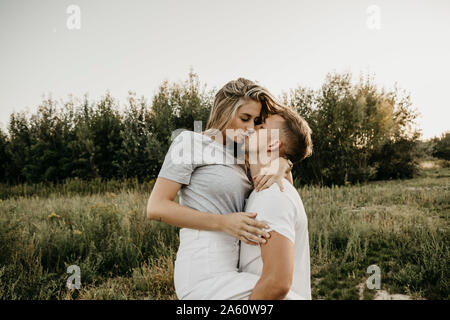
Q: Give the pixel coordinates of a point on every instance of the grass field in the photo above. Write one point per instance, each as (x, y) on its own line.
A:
(402, 226)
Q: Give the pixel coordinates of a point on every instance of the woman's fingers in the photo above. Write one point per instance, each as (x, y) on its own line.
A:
(250, 214)
(267, 184)
(258, 232)
(253, 222)
(256, 180)
(255, 239)
(257, 223)
(262, 182)
(256, 227)
(280, 184)
(245, 240)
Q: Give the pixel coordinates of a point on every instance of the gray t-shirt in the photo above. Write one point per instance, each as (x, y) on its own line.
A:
(211, 180)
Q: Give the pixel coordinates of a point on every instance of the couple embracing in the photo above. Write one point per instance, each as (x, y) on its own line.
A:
(244, 232)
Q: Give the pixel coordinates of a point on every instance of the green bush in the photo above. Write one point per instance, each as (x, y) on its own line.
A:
(359, 132)
(442, 146)
(351, 123)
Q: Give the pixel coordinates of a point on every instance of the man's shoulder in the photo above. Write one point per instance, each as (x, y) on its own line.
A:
(274, 190)
(272, 194)
(291, 191)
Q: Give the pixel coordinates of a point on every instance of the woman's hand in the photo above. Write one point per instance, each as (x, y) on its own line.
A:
(243, 226)
(278, 169)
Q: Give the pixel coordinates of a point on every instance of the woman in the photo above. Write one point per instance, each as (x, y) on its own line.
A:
(212, 192)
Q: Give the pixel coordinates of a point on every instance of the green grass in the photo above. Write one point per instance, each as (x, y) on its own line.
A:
(402, 226)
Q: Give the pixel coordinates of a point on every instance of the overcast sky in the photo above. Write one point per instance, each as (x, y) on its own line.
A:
(135, 45)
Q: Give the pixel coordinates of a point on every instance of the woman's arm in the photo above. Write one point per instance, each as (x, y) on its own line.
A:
(162, 207)
(290, 178)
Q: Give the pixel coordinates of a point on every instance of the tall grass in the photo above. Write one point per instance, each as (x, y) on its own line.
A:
(73, 186)
(402, 226)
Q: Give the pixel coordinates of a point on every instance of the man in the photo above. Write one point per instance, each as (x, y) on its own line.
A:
(283, 262)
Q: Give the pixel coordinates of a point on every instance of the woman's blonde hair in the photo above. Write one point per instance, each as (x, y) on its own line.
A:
(232, 96)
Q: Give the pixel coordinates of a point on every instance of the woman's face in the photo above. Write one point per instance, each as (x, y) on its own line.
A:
(248, 115)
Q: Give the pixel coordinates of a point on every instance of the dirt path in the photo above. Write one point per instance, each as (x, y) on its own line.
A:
(381, 294)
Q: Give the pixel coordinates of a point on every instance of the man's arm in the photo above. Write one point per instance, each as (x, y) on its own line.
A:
(278, 267)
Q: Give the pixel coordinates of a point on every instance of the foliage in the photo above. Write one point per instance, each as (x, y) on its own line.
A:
(360, 133)
(442, 146)
(98, 140)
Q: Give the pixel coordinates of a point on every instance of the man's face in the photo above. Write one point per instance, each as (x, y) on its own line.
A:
(267, 134)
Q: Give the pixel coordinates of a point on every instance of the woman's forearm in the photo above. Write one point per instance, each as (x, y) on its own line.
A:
(177, 215)
(162, 207)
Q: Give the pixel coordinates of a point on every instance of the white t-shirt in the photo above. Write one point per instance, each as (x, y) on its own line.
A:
(285, 214)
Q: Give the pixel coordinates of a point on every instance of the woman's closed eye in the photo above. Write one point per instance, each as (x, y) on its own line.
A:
(256, 121)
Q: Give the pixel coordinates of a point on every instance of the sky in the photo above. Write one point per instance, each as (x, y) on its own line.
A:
(47, 47)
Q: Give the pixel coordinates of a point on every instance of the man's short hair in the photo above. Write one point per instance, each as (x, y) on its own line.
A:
(295, 135)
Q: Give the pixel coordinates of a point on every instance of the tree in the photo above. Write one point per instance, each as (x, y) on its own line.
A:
(442, 146)
(177, 106)
(18, 147)
(106, 125)
(360, 133)
(4, 158)
(351, 124)
(83, 147)
(140, 154)
(50, 136)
